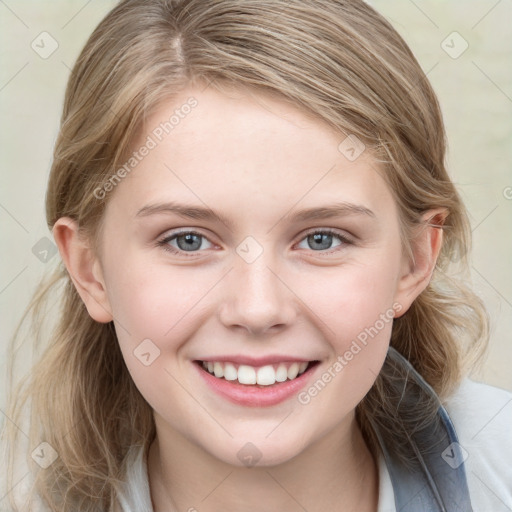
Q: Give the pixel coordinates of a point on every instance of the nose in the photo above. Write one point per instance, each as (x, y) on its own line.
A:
(257, 298)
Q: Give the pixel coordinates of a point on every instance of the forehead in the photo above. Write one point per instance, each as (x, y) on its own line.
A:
(244, 149)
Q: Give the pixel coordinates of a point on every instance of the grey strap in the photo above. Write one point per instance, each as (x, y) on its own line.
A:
(425, 463)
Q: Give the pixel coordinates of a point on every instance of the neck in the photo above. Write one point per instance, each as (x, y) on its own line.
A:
(336, 473)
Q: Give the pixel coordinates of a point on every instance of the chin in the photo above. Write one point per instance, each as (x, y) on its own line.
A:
(251, 451)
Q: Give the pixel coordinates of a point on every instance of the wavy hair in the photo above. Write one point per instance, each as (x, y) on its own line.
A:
(338, 60)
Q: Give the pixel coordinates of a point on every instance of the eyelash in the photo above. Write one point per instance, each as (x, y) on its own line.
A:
(164, 243)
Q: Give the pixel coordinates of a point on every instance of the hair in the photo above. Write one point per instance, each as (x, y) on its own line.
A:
(338, 60)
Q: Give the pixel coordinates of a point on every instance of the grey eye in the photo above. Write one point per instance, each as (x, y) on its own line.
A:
(321, 241)
(186, 242)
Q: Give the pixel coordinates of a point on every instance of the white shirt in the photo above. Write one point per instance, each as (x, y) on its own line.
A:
(482, 417)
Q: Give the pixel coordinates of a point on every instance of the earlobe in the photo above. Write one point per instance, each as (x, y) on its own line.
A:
(84, 268)
(425, 247)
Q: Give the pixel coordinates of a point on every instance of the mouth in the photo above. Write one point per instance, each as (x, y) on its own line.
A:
(256, 386)
(257, 376)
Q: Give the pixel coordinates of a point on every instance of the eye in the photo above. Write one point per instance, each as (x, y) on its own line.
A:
(192, 241)
(320, 240)
(185, 241)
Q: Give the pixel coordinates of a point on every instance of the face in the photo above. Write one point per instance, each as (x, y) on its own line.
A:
(246, 237)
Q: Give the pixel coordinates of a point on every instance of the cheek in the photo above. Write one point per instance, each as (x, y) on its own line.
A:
(350, 299)
(155, 310)
(152, 301)
(162, 304)
(356, 306)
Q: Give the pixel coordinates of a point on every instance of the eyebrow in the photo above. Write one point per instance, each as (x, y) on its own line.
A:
(341, 209)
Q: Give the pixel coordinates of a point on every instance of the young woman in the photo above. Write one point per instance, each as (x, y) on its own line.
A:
(259, 310)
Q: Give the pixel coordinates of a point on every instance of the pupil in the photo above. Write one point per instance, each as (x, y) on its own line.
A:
(189, 242)
(317, 239)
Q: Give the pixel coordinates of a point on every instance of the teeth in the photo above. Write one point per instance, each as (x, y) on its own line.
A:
(218, 370)
(281, 373)
(264, 375)
(293, 371)
(230, 372)
(246, 374)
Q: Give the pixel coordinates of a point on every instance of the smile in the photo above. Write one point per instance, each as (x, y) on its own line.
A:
(264, 376)
(261, 385)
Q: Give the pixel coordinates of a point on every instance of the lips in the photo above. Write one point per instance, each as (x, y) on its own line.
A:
(264, 385)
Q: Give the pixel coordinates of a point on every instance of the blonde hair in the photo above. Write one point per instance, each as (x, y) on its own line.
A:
(338, 60)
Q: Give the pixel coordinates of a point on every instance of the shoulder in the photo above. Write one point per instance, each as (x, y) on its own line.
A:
(482, 417)
(133, 494)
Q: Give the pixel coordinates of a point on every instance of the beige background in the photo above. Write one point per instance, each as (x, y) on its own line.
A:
(475, 90)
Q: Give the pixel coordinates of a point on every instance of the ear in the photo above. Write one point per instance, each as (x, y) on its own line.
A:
(425, 248)
(83, 267)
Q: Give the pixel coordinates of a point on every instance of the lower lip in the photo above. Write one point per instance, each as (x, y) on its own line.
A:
(255, 395)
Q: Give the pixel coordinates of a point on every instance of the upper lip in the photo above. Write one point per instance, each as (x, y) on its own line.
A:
(256, 361)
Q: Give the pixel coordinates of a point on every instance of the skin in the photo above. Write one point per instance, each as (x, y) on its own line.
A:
(254, 159)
